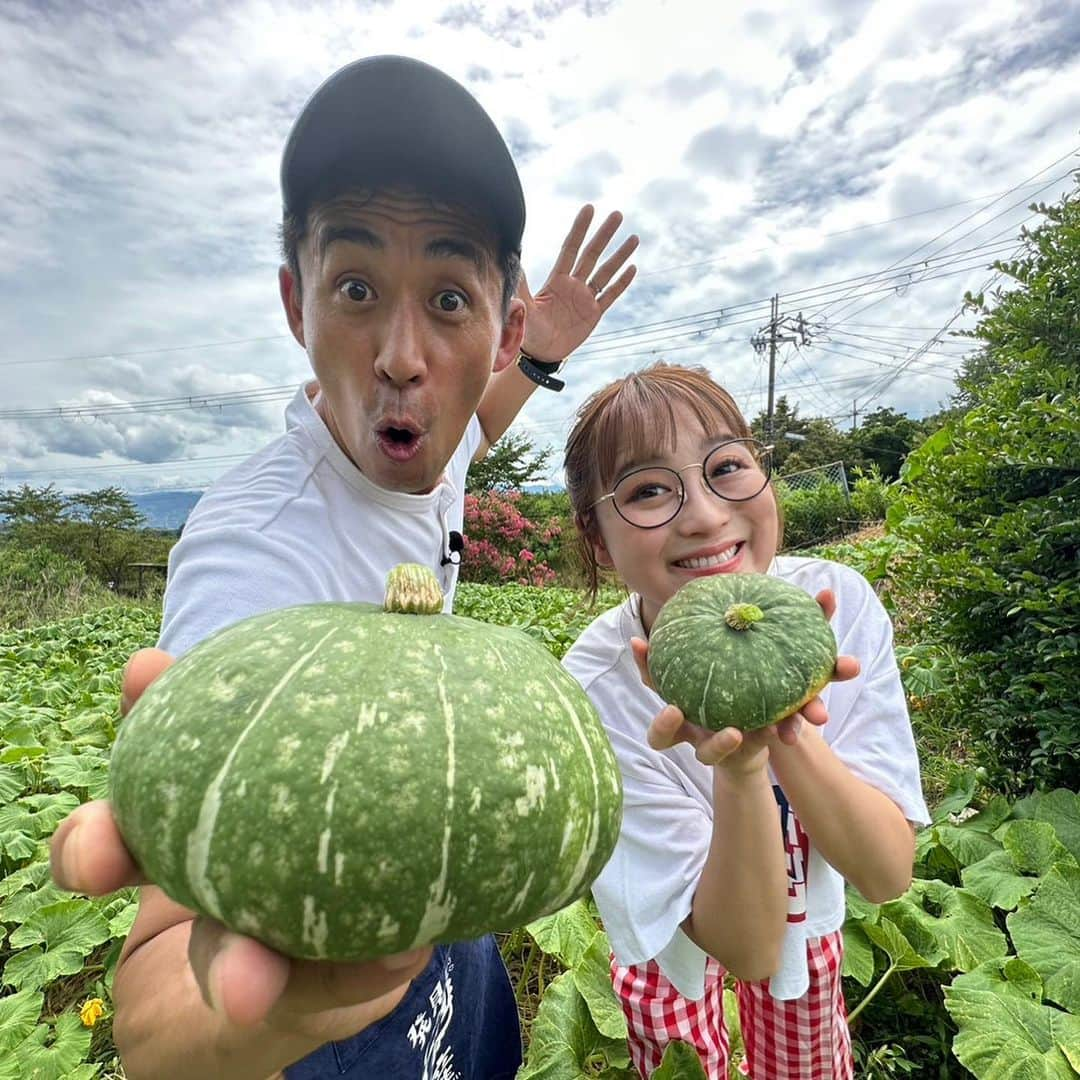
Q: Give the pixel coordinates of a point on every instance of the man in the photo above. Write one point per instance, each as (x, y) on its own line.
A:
(402, 225)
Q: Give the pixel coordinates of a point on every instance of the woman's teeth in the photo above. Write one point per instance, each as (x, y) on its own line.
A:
(709, 560)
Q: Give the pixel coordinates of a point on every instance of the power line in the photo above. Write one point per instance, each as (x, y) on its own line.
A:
(721, 315)
(880, 363)
(975, 213)
(262, 395)
(143, 352)
(890, 379)
(998, 198)
(80, 469)
(845, 232)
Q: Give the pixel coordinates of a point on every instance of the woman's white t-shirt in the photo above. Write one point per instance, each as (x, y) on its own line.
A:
(647, 888)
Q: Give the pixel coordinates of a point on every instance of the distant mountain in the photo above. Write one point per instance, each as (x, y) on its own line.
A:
(170, 509)
(166, 509)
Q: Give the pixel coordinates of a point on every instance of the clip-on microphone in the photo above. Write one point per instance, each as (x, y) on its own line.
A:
(455, 545)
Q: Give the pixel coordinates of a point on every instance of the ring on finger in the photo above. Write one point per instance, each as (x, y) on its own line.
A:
(595, 288)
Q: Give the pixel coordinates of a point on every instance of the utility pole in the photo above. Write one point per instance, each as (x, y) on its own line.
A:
(774, 318)
(854, 413)
(769, 337)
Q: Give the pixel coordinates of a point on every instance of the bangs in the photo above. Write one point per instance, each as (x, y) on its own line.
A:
(639, 423)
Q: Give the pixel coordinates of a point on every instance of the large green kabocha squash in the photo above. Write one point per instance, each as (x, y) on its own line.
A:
(740, 650)
(344, 782)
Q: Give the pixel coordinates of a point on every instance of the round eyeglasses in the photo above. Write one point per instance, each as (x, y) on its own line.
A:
(737, 470)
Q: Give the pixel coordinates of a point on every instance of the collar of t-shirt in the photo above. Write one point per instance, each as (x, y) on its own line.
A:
(303, 413)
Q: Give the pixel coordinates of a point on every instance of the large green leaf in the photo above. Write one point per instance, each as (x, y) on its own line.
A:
(1004, 1034)
(858, 953)
(567, 934)
(592, 977)
(996, 881)
(858, 907)
(32, 876)
(42, 1059)
(899, 950)
(18, 837)
(54, 941)
(680, 1062)
(966, 844)
(1035, 847)
(86, 1071)
(18, 1016)
(88, 771)
(49, 810)
(947, 926)
(564, 1042)
(958, 796)
(12, 784)
(1061, 809)
(996, 811)
(119, 911)
(1029, 847)
(19, 908)
(1046, 933)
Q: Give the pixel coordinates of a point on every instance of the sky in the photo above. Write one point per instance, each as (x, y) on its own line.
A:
(865, 161)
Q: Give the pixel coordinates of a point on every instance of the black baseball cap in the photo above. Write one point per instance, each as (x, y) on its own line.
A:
(391, 120)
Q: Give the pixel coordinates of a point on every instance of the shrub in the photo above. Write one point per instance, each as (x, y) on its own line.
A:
(993, 503)
(813, 514)
(871, 494)
(38, 584)
(502, 544)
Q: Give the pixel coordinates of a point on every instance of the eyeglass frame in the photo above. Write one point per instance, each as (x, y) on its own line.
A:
(763, 451)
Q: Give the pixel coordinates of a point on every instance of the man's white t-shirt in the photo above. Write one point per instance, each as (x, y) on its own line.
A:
(298, 523)
(647, 888)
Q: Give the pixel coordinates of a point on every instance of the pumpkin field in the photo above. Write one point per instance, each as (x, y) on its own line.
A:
(974, 971)
(978, 964)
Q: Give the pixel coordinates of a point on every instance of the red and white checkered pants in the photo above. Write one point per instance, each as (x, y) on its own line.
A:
(804, 1039)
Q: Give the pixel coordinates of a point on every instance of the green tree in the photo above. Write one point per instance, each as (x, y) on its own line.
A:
(822, 444)
(977, 370)
(101, 530)
(786, 421)
(28, 505)
(885, 438)
(511, 463)
(993, 502)
(106, 508)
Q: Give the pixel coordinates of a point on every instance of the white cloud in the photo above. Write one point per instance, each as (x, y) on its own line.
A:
(752, 151)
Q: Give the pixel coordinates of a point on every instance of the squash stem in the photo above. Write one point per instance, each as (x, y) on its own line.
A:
(743, 616)
(873, 993)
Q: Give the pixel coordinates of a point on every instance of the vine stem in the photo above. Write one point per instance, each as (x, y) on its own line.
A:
(526, 971)
(873, 993)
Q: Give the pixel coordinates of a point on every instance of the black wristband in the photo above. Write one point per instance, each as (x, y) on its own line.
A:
(541, 372)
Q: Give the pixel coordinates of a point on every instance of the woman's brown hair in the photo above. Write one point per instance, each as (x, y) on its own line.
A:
(628, 420)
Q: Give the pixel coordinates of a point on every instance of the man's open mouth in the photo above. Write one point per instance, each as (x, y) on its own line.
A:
(398, 443)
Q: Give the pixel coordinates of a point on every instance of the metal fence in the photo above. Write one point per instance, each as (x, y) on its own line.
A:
(816, 504)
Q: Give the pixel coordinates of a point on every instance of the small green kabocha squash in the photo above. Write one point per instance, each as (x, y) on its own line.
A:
(740, 650)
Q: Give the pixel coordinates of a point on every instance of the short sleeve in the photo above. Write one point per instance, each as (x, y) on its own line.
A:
(218, 576)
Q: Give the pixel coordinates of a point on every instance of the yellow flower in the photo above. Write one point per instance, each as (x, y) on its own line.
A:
(92, 1011)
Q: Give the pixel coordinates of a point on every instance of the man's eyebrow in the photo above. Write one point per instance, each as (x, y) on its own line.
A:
(348, 234)
(456, 247)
